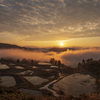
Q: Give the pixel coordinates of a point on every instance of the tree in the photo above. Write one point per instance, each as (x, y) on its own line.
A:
(89, 60)
(32, 62)
(56, 62)
(79, 67)
(83, 61)
(18, 61)
(52, 61)
(79, 64)
(24, 61)
(59, 62)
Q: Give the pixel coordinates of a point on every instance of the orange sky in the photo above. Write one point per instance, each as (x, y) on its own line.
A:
(84, 42)
(47, 23)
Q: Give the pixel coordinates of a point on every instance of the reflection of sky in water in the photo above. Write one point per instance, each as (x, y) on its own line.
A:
(2, 66)
(7, 81)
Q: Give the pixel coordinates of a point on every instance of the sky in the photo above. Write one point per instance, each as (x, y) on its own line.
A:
(47, 23)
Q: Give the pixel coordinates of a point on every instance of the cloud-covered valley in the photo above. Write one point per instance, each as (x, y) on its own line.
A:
(69, 57)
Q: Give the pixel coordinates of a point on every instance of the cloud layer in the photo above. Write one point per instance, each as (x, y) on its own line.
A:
(32, 20)
(69, 57)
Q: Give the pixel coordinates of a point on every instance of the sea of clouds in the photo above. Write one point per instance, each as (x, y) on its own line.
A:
(68, 57)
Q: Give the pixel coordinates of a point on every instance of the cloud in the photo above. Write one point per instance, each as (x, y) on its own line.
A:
(46, 19)
(74, 57)
(69, 57)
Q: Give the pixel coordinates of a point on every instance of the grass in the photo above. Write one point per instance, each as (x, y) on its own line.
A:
(14, 94)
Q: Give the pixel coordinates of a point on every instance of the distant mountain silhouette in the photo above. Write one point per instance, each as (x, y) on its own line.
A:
(11, 46)
(54, 49)
(8, 46)
(57, 49)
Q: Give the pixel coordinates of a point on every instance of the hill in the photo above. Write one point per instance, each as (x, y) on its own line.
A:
(9, 46)
(55, 49)
(12, 46)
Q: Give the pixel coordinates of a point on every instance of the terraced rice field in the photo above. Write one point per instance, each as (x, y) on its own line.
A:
(35, 80)
(76, 84)
(19, 67)
(7, 81)
(3, 66)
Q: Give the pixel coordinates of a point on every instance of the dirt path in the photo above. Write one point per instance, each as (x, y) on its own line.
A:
(46, 87)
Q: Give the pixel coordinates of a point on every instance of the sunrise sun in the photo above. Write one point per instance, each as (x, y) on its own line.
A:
(61, 44)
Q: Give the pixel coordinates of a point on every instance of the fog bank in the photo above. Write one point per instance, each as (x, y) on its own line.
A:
(68, 57)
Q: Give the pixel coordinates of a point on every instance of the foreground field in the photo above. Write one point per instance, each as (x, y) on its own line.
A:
(76, 84)
(46, 79)
(13, 94)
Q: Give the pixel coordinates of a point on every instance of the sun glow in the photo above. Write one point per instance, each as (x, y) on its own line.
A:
(61, 44)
